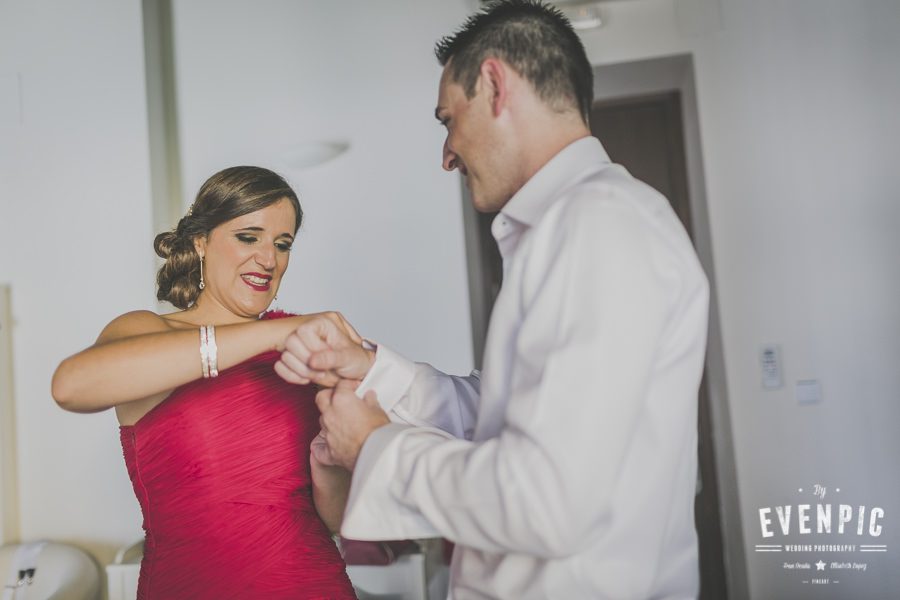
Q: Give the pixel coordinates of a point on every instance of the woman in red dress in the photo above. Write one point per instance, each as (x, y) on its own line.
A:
(216, 444)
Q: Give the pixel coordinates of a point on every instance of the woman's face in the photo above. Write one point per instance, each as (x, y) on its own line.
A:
(245, 258)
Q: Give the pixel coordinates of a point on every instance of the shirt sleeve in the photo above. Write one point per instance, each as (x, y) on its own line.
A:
(418, 394)
(596, 311)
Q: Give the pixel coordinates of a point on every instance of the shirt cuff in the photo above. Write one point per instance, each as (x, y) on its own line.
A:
(372, 512)
(390, 377)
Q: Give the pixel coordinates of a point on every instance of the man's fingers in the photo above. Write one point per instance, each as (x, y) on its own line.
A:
(347, 384)
(323, 401)
(349, 358)
(319, 440)
(347, 327)
(344, 397)
(349, 361)
(371, 399)
(322, 453)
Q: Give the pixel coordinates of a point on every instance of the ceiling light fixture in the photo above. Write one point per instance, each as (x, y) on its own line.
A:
(306, 155)
(582, 16)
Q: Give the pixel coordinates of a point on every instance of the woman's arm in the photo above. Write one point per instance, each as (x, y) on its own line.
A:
(139, 355)
(331, 487)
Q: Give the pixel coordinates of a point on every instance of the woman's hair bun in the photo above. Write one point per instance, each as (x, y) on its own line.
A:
(165, 243)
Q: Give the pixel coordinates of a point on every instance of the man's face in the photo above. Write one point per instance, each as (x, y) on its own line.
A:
(473, 144)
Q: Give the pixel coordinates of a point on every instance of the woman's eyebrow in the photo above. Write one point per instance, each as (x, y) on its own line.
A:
(257, 228)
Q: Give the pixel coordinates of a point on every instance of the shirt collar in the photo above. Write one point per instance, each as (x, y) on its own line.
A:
(531, 202)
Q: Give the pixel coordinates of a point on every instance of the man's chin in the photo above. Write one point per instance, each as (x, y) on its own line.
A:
(484, 204)
(480, 206)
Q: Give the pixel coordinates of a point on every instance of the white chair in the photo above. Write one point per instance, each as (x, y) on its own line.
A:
(122, 574)
(403, 579)
(48, 571)
(421, 575)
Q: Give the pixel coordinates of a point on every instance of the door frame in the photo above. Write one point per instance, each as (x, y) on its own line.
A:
(657, 121)
(9, 491)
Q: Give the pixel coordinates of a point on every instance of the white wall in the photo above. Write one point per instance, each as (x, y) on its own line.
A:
(74, 245)
(799, 179)
(383, 240)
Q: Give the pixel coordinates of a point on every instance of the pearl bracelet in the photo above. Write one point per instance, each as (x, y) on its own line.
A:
(204, 353)
(213, 350)
(208, 351)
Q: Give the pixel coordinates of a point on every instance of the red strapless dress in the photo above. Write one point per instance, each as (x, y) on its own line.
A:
(221, 470)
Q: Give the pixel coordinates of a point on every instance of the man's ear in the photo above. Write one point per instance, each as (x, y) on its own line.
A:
(493, 76)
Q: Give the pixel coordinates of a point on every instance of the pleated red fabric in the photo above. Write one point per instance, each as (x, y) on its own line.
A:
(221, 470)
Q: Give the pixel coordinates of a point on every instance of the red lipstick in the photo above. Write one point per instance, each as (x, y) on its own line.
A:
(257, 281)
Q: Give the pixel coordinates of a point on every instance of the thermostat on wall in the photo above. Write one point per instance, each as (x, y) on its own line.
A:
(770, 363)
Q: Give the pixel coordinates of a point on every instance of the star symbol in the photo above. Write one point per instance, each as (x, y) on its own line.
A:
(820, 566)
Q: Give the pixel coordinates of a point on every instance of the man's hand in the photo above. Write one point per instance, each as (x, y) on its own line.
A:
(323, 350)
(346, 423)
(331, 485)
(320, 453)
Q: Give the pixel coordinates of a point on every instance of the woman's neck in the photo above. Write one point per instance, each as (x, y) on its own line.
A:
(207, 311)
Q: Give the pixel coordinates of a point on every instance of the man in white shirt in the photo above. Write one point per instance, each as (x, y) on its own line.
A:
(567, 469)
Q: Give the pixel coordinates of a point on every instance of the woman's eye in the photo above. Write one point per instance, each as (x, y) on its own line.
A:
(247, 239)
(283, 247)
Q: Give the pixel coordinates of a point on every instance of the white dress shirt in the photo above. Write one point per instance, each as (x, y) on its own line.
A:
(568, 470)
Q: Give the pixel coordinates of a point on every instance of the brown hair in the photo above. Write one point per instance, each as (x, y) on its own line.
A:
(536, 39)
(228, 194)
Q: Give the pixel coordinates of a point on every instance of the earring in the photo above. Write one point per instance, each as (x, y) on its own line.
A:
(202, 283)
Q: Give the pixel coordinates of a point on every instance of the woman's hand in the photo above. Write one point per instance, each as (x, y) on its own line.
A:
(334, 318)
(323, 350)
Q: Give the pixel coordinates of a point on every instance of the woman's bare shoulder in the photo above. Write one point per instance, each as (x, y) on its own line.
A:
(136, 322)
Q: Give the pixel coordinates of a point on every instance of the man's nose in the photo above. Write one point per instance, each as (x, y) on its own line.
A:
(450, 158)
